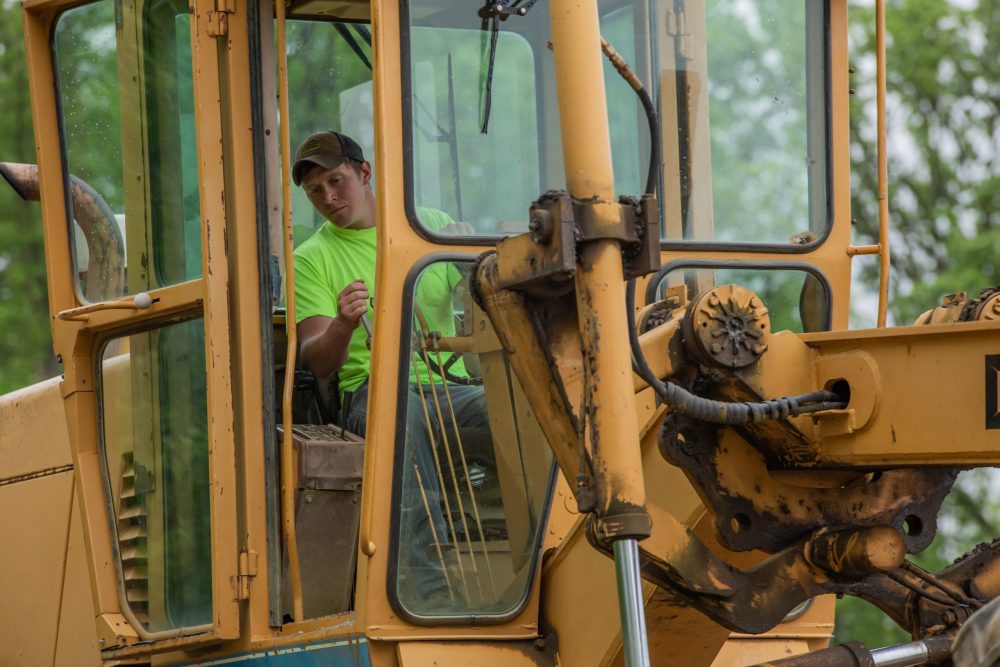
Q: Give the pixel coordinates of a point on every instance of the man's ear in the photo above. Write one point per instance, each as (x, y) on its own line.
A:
(366, 172)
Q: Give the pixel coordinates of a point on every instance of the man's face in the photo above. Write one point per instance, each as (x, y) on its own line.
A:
(342, 194)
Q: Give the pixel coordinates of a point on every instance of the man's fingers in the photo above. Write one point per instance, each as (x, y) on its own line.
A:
(357, 287)
(354, 304)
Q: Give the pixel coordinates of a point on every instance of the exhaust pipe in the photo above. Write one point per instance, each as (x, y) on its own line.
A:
(105, 277)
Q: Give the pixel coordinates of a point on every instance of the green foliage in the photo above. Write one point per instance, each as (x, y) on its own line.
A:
(943, 101)
(25, 339)
(758, 104)
(943, 78)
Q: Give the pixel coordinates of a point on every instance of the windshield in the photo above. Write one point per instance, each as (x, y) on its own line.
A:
(740, 89)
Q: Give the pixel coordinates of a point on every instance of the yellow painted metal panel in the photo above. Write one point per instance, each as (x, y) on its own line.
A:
(35, 519)
(34, 436)
(460, 654)
(76, 644)
(745, 652)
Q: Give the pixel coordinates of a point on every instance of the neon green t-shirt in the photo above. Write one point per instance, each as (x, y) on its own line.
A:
(332, 258)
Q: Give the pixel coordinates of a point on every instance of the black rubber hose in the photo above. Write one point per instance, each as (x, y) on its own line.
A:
(633, 81)
(653, 172)
(720, 412)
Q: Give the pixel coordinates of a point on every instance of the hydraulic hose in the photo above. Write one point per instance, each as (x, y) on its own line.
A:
(626, 73)
(721, 412)
(678, 398)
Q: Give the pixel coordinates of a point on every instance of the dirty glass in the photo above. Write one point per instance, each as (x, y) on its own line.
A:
(744, 120)
(483, 119)
(797, 300)
(127, 112)
(473, 469)
(481, 134)
(740, 88)
(154, 437)
(330, 84)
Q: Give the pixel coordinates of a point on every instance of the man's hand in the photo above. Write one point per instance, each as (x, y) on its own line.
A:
(352, 303)
(458, 229)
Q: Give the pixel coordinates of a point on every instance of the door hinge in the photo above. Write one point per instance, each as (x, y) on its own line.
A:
(218, 18)
(247, 571)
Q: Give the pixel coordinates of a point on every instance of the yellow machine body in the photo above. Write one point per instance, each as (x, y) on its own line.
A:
(150, 495)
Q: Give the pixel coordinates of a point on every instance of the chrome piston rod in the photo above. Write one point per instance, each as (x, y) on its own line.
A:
(630, 603)
(902, 655)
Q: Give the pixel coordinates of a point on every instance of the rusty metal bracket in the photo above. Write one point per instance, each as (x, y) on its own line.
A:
(757, 599)
(590, 220)
(542, 262)
(753, 509)
(863, 562)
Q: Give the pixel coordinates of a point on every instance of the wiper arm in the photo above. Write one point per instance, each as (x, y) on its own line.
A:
(353, 43)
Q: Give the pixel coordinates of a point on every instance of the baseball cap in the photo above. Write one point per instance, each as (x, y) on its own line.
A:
(327, 149)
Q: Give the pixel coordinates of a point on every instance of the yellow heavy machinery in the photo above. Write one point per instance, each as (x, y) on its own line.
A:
(689, 453)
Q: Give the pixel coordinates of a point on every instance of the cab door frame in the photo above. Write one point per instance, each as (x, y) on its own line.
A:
(80, 329)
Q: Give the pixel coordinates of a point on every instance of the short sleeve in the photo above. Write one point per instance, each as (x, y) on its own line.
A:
(312, 292)
(433, 219)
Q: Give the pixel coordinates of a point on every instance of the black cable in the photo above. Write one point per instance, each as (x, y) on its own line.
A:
(678, 398)
(633, 81)
(684, 402)
(652, 173)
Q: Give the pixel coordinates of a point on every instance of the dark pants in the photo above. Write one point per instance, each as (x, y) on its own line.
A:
(422, 522)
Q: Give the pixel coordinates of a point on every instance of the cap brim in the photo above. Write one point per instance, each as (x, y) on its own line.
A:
(302, 164)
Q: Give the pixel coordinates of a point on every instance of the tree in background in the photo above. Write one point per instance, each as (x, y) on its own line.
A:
(943, 82)
(25, 339)
(943, 118)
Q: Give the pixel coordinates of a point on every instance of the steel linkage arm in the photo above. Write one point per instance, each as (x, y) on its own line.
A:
(757, 599)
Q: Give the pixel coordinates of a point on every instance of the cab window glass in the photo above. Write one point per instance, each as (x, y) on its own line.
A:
(473, 470)
(627, 123)
(744, 121)
(740, 89)
(797, 300)
(126, 96)
(154, 437)
(486, 178)
(330, 85)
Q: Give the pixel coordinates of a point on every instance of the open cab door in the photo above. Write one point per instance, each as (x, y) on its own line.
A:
(138, 287)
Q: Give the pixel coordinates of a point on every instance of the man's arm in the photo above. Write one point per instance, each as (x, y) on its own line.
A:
(324, 341)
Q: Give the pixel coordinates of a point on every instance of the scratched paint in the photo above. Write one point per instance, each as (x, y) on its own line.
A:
(351, 652)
